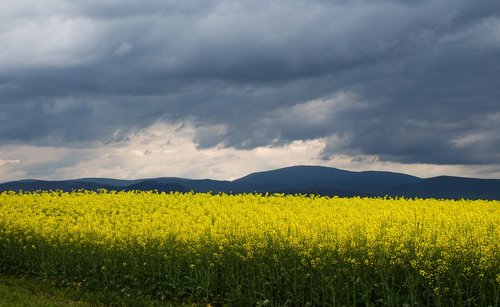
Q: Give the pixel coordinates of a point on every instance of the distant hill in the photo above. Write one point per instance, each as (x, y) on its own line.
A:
(296, 179)
(324, 178)
(450, 187)
(110, 181)
(65, 185)
(150, 185)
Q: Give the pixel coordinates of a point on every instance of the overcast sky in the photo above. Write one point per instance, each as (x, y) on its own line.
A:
(218, 89)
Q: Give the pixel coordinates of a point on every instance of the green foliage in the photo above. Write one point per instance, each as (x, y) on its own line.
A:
(21, 291)
(247, 250)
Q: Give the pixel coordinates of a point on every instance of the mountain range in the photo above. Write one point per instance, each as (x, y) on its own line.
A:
(290, 180)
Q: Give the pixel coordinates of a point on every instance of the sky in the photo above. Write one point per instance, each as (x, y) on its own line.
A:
(222, 88)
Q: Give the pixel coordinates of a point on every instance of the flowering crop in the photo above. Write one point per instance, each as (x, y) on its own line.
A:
(254, 249)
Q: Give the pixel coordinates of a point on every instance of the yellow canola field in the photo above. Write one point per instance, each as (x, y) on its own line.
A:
(257, 249)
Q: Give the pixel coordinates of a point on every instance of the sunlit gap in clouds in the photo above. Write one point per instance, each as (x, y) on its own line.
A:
(164, 149)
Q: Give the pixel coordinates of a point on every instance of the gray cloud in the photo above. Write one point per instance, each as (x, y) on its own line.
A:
(409, 82)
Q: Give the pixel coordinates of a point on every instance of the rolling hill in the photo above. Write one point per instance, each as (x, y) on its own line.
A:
(296, 179)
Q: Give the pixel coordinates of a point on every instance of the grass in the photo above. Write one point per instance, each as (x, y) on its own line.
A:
(23, 291)
(29, 291)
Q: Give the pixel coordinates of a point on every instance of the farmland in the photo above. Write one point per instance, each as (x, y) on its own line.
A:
(252, 249)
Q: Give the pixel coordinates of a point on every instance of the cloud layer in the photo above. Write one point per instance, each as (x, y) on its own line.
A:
(406, 82)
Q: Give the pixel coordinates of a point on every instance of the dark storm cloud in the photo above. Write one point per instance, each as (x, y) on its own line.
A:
(408, 81)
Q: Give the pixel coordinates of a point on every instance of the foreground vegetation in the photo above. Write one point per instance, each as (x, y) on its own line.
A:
(255, 249)
(31, 292)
